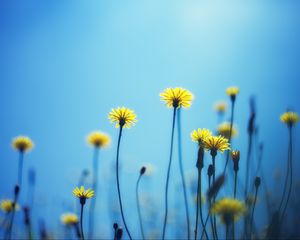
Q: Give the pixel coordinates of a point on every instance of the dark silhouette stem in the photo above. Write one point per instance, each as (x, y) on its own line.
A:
(81, 221)
(214, 197)
(252, 214)
(138, 205)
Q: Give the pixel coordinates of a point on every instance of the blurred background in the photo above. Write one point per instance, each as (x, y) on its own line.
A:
(65, 64)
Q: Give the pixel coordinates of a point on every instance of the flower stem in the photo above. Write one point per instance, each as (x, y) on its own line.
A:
(252, 214)
(182, 175)
(211, 218)
(81, 222)
(235, 181)
(168, 174)
(214, 197)
(118, 184)
(227, 231)
(77, 230)
(94, 186)
(138, 205)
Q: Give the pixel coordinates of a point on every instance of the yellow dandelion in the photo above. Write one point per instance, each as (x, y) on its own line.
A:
(98, 139)
(220, 107)
(289, 118)
(200, 135)
(232, 91)
(177, 97)
(69, 219)
(224, 130)
(216, 143)
(122, 117)
(8, 205)
(81, 193)
(22, 143)
(228, 209)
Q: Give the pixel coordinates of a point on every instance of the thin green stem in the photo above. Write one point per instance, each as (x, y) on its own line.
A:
(138, 205)
(118, 183)
(168, 174)
(182, 174)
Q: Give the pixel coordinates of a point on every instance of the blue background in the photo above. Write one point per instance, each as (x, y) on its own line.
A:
(65, 64)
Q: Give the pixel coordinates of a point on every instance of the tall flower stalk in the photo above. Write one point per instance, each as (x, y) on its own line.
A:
(256, 184)
(235, 156)
(142, 171)
(123, 117)
(174, 98)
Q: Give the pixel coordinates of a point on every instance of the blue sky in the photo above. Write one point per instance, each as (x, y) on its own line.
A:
(65, 64)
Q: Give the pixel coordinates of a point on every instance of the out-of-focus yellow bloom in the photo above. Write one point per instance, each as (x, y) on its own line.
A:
(7, 206)
(289, 118)
(81, 193)
(224, 130)
(220, 107)
(98, 139)
(200, 135)
(232, 91)
(22, 143)
(122, 117)
(177, 97)
(228, 209)
(216, 143)
(69, 219)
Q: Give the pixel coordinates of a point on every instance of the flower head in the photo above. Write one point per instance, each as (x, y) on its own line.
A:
(22, 143)
(200, 135)
(224, 130)
(235, 156)
(98, 139)
(220, 107)
(232, 92)
(122, 117)
(8, 205)
(69, 219)
(177, 97)
(216, 143)
(83, 194)
(289, 118)
(228, 209)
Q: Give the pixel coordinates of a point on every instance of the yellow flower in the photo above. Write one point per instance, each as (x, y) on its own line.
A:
(200, 135)
(216, 143)
(81, 193)
(22, 143)
(122, 117)
(177, 97)
(228, 209)
(220, 107)
(232, 91)
(289, 118)
(69, 219)
(98, 139)
(7, 206)
(224, 130)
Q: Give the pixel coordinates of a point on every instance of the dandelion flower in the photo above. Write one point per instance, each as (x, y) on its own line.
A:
(83, 194)
(122, 117)
(98, 139)
(228, 209)
(69, 219)
(289, 118)
(22, 143)
(224, 130)
(200, 135)
(177, 97)
(216, 143)
(7, 206)
(232, 91)
(220, 107)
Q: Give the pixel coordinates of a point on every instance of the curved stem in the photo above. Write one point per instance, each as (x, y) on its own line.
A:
(94, 186)
(168, 175)
(81, 222)
(182, 175)
(118, 184)
(138, 205)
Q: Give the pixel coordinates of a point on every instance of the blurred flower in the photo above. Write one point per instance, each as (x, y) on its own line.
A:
(69, 219)
(235, 156)
(289, 118)
(98, 139)
(150, 169)
(200, 135)
(228, 209)
(81, 193)
(8, 205)
(224, 130)
(177, 97)
(122, 117)
(216, 143)
(220, 107)
(232, 91)
(22, 143)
